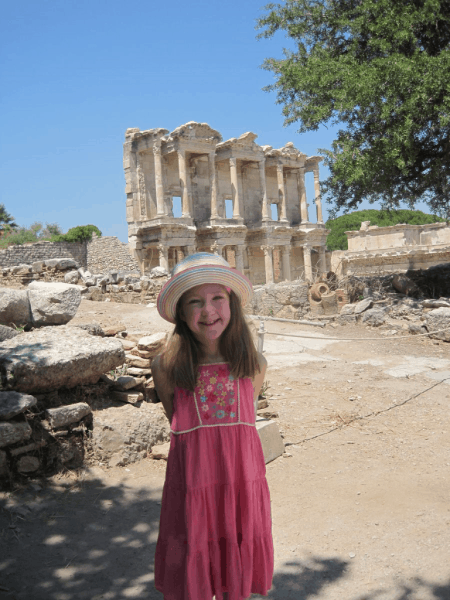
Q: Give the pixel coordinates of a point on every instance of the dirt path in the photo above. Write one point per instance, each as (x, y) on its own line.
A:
(361, 512)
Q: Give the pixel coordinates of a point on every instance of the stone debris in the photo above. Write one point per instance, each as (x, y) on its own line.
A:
(363, 305)
(61, 356)
(439, 319)
(53, 303)
(12, 433)
(136, 361)
(14, 307)
(152, 344)
(7, 333)
(66, 415)
(112, 330)
(126, 382)
(28, 464)
(161, 451)
(14, 403)
(129, 397)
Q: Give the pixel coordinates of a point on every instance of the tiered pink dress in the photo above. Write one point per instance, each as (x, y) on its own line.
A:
(215, 531)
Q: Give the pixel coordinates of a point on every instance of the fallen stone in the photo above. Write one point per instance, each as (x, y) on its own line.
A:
(28, 464)
(436, 320)
(27, 448)
(416, 329)
(38, 266)
(68, 414)
(4, 470)
(7, 333)
(347, 309)
(53, 303)
(14, 403)
(89, 281)
(14, 307)
(158, 272)
(53, 357)
(362, 306)
(11, 433)
(137, 287)
(126, 382)
(129, 430)
(161, 451)
(345, 319)
(21, 269)
(72, 277)
(128, 344)
(145, 283)
(271, 441)
(441, 303)
(91, 328)
(136, 361)
(374, 317)
(141, 353)
(61, 264)
(153, 343)
(111, 330)
(129, 397)
(263, 403)
(405, 285)
(138, 371)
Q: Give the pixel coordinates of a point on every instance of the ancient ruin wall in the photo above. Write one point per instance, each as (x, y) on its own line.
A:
(30, 253)
(109, 254)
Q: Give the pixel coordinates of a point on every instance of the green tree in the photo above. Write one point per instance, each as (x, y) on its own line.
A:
(6, 220)
(381, 68)
(337, 240)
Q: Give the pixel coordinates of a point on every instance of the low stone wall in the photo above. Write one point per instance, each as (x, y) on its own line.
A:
(283, 300)
(30, 253)
(109, 254)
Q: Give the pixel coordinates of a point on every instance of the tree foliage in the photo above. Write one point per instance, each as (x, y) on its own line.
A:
(37, 232)
(7, 222)
(337, 240)
(78, 234)
(382, 69)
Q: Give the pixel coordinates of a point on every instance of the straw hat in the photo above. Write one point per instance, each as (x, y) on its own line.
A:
(198, 269)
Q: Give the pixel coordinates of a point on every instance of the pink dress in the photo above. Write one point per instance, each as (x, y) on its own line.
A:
(215, 531)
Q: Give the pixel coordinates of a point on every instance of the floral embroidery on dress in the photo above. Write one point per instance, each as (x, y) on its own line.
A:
(216, 389)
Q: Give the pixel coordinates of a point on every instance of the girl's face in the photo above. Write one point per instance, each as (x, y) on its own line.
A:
(206, 311)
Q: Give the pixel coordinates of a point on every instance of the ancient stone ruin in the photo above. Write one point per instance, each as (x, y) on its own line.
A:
(226, 191)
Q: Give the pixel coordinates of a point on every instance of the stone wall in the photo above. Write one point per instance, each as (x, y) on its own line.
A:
(109, 254)
(30, 253)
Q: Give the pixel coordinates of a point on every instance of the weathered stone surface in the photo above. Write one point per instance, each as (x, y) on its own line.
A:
(52, 357)
(362, 306)
(21, 269)
(65, 415)
(91, 328)
(53, 303)
(72, 277)
(14, 403)
(138, 371)
(161, 451)
(405, 285)
(28, 464)
(4, 470)
(37, 266)
(348, 309)
(141, 363)
(374, 317)
(111, 330)
(129, 432)
(7, 333)
(416, 328)
(14, 307)
(11, 433)
(441, 303)
(126, 382)
(158, 272)
(128, 344)
(61, 264)
(152, 343)
(439, 319)
(130, 396)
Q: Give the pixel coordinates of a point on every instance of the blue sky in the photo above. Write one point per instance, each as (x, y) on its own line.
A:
(76, 75)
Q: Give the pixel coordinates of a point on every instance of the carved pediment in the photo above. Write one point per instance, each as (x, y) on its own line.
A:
(287, 151)
(196, 131)
(246, 141)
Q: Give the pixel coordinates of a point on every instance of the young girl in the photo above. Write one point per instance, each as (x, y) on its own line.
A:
(215, 534)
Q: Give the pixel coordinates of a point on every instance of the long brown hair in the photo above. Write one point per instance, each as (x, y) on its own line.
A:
(181, 357)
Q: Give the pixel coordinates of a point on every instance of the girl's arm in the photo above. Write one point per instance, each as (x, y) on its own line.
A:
(164, 389)
(258, 380)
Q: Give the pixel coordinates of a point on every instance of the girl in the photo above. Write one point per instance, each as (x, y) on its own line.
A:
(215, 530)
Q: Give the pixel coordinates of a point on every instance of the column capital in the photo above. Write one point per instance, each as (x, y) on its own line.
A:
(233, 161)
(267, 249)
(216, 248)
(285, 249)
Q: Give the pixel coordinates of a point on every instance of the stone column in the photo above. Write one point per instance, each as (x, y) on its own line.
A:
(262, 178)
(281, 193)
(302, 194)
(217, 248)
(286, 262)
(317, 194)
(184, 183)
(322, 258)
(268, 262)
(180, 254)
(160, 211)
(239, 257)
(235, 188)
(307, 262)
(213, 184)
(163, 256)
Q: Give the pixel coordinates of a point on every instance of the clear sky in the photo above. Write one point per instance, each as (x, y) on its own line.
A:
(76, 75)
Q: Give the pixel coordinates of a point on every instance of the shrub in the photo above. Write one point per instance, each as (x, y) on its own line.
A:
(78, 234)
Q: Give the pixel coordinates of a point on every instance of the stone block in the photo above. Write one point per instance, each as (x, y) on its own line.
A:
(126, 382)
(374, 317)
(136, 361)
(360, 307)
(111, 330)
(153, 343)
(61, 264)
(271, 440)
(28, 464)
(38, 266)
(161, 451)
(11, 433)
(7, 333)
(438, 320)
(68, 414)
(21, 269)
(72, 277)
(129, 397)
(53, 303)
(14, 307)
(53, 357)
(14, 403)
